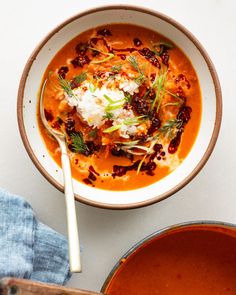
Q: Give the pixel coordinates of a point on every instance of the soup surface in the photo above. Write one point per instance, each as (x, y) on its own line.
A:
(195, 260)
(129, 103)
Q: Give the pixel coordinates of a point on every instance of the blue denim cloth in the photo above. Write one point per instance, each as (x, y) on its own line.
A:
(28, 248)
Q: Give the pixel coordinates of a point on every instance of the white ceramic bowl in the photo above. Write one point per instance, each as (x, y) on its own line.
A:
(211, 101)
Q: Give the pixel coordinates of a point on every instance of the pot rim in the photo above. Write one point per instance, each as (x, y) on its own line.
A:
(158, 233)
(217, 123)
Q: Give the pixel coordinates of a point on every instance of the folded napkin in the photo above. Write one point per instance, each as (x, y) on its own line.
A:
(28, 248)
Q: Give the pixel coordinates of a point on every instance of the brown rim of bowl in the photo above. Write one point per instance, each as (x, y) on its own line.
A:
(216, 125)
(161, 232)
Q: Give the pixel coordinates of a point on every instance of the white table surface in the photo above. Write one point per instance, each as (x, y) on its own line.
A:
(107, 234)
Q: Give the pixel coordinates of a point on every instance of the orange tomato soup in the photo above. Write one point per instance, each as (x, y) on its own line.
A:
(195, 260)
(129, 102)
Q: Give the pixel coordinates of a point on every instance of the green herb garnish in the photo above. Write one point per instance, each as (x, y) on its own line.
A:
(55, 87)
(113, 104)
(175, 96)
(168, 104)
(177, 103)
(161, 45)
(80, 78)
(92, 87)
(141, 164)
(160, 85)
(129, 121)
(140, 79)
(108, 116)
(170, 127)
(112, 107)
(149, 151)
(66, 86)
(127, 143)
(134, 63)
(93, 133)
(116, 68)
(78, 144)
(93, 84)
(133, 121)
(110, 100)
(112, 128)
(108, 54)
(128, 97)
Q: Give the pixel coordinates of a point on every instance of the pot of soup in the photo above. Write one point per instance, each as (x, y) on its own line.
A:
(189, 258)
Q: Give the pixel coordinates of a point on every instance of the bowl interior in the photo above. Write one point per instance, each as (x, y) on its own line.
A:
(30, 85)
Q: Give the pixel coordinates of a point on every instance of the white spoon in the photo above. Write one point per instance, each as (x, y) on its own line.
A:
(72, 229)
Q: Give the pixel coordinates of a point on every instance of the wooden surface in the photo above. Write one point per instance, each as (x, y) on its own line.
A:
(12, 286)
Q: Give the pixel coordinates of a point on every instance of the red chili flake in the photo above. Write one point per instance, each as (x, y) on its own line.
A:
(119, 170)
(81, 48)
(87, 181)
(180, 92)
(157, 147)
(62, 71)
(155, 124)
(91, 169)
(155, 62)
(92, 147)
(80, 61)
(70, 125)
(151, 94)
(165, 58)
(146, 52)
(152, 77)
(93, 41)
(73, 84)
(127, 49)
(182, 77)
(150, 56)
(140, 105)
(150, 173)
(60, 121)
(122, 56)
(48, 115)
(76, 161)
(137, 42)
(92, 176)
(127, 106)
(185, 114)
(104, 32)
(56, 125)
(151, 166)
(174, 144)
(117, 151)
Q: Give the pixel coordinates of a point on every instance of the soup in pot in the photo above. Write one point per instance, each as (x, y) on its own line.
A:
(196, 260)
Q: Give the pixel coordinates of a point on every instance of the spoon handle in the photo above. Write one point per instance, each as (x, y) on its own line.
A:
(72, 229)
